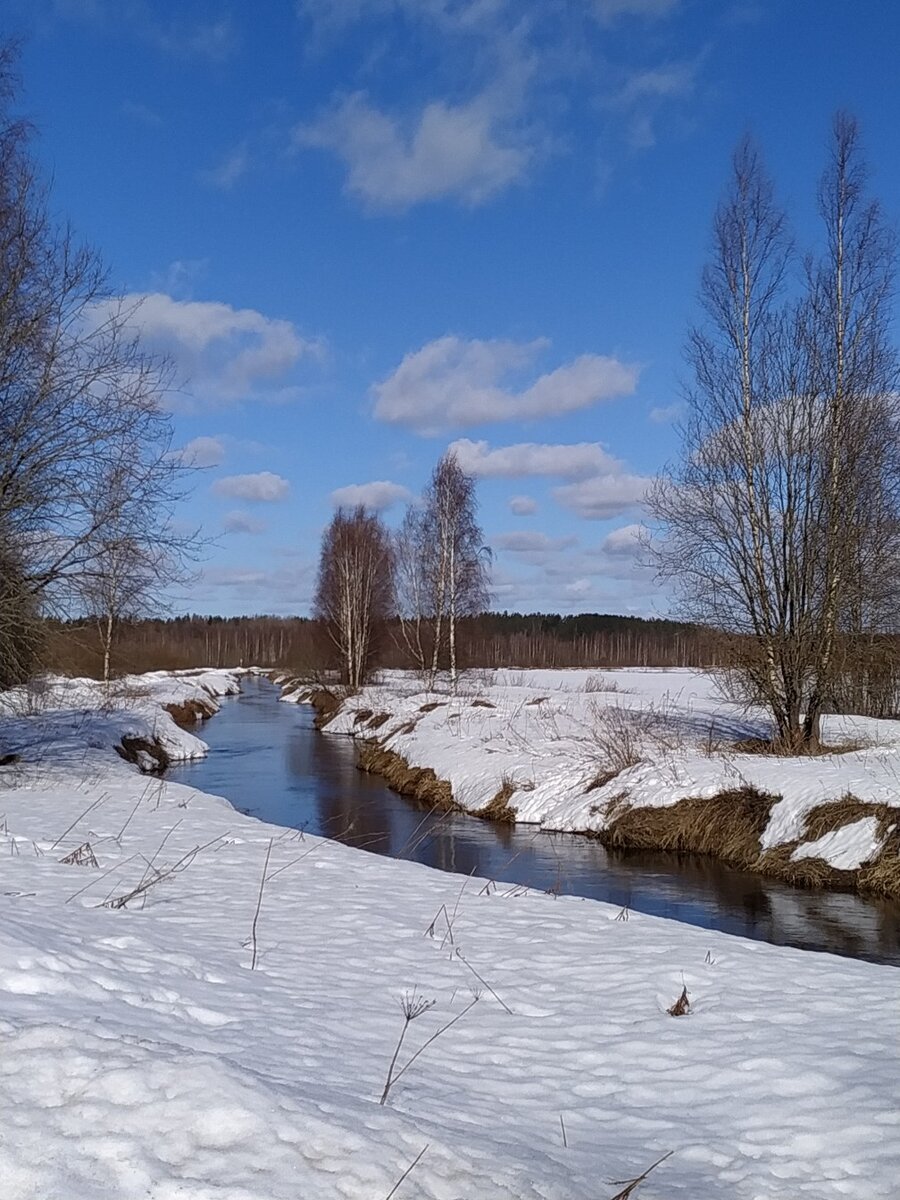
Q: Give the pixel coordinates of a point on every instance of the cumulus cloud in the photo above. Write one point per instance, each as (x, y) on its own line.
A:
(452, 382)
(625, 542)
(241, 522)
(576, 460)
(203, 452)
(522, 506)
(465, 151)
(263, 487)
(379, 495)
(604, 496)
(223, 354)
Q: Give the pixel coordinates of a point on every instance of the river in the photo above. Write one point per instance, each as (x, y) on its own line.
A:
(269, 761)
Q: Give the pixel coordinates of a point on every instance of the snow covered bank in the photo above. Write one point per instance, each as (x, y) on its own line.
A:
(629, 755)
(142, 1056)
(58, 716)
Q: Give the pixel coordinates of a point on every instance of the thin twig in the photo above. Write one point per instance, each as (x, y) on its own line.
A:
(631, 1184)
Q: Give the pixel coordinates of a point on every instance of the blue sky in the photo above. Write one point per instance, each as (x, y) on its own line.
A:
(369, 229)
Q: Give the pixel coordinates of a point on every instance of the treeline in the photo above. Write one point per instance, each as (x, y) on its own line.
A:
(299, 644)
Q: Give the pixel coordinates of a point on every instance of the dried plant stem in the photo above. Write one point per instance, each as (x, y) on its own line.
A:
(631, 1184)
(259, 900)
(443, 1029)
(484, 982)
(412, 1166)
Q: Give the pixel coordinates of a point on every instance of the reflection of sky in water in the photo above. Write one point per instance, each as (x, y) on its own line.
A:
(268, 761)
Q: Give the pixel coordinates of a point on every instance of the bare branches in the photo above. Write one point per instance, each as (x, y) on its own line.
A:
(781, 521)
(355, 589)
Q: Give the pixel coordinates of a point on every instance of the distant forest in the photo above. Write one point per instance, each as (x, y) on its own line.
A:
(296, 643)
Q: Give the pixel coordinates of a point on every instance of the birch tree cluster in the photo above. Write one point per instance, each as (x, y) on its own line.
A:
(781, 523)
(86, 461)
(414, 586)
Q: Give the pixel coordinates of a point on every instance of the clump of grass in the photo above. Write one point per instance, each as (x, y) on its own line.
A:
(376, 721)
(479, 702)
(362, 714)
(432, 705)
(770, 746)
(326, 703)
(682, 1005)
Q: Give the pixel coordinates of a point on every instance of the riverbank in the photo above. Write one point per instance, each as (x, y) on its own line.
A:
(222, 1022)
(641, 759)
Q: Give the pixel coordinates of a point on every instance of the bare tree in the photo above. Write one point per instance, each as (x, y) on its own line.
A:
(21, 632)
(786, 496)
(79, 396)
(443, 567)
(355, 589)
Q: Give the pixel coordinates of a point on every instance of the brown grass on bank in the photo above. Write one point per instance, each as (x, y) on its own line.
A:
(767, 746)
(478, 702)
(419, 783)
(432, 705)
(498, 807)
(326, 703)
(190, 712)
(727, 826)
(131, 749)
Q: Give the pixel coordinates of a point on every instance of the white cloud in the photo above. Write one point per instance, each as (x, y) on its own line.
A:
(378, 495)
(626, 542)
(531, 542)
(203, 452)
(452, 382)
(576, 460)
(465, 151)
(263, 487)
(604, 496)
(241, 522)
(522, 506)
(224, 354)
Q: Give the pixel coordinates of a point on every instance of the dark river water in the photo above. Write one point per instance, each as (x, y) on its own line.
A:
(269, 761)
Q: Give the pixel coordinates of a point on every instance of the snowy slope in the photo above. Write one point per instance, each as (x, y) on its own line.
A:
(143, 1057)
(551, 734)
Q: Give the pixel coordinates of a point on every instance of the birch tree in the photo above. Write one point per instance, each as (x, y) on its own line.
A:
(355, 589)
(780, 524)
(443, 569)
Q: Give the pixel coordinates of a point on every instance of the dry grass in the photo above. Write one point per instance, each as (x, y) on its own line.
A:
(478, 702)
(727, 826)
(420, 783)
(883, 874)
(802, 872)
(326, 703)
(376, 721)
(835, 814)
(432, 705)
(189, 712)
(768, 746)
(362, 714)
(498, 807)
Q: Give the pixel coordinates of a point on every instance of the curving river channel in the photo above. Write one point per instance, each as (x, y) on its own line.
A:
(268, 760)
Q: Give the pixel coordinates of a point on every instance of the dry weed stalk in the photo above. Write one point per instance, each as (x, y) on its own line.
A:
(682, 1005)
(259, 900)
(81, 856)
(412, 1166)
(631, 1184)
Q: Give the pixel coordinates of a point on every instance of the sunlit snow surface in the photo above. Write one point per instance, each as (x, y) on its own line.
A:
(141, 1056)
(545, 732)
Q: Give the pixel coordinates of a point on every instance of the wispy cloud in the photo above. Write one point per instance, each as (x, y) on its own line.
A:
(203, 452)
(229, 170)
(469, 151)
(453, 383)
(576, 460)
(241, 522)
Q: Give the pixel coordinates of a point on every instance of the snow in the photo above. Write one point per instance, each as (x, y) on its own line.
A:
(552, 733)
(846, 848)
(143, 1057)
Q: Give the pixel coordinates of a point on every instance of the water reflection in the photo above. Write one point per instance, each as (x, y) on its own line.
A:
(267, 759)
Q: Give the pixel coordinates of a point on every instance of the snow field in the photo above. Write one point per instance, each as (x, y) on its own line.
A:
(142, 1057)
(573, 743)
